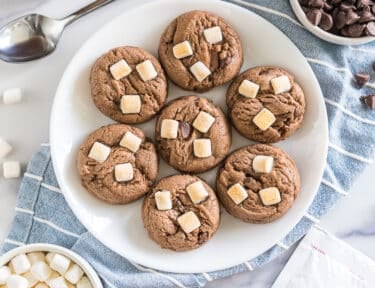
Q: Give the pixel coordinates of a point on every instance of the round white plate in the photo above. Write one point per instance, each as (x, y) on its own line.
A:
(120, 228)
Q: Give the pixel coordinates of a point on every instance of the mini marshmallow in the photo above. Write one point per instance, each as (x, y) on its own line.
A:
(36, 257)
(124, 172)
(17, 281)
(5, 273)
(20, 264)
(169, 129)
(197, 192)
(248, 89)
(60, 263)
(264, 119)
(131, 141)
(58, 283)
(200, 71)
(163, 200)
(30, 279)
(49, 257)
(182, 50)
(12, 96)
(146, 70)
(262, 164)
(74, 274)
(130, 104)
(203, 122)
(99, 152)
(213, 35)
(270, 196)
(120, 69)
(41, 285)
(189, 222)
(237, 193)
(281, 84)
(41, 271)
(84, 283)
(202, 148)
(5, 148)
(11, 169)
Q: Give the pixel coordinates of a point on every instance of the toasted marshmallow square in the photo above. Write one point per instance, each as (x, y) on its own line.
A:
(74, 274)
(5, 148)
(20, 264)
(84, 283)
(263, 164)
(60, 263)
(5, 273)
(58, 282)
(203, 122)
(163, 200)
(130, 104)
(17, 281)
(202, 148)
(120, 69)
(248, 89)
(197, 192)
(30, 279)
(41, 271)
(281, 84)
(264, 119)
(200, 71)
(169, 129)
(237, 193)
(146, 70)
(99, 152)
(12, 96)
(189, 222)
(270, 196)
(36, 257)
(124, 172)
(131, 141)
(182, 50)
(11, 169)
(213, 35)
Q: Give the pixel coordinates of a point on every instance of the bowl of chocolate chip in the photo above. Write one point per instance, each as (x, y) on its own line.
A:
(343, 22)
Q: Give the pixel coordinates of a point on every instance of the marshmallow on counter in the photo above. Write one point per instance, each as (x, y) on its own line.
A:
(237, 193)
(131, 141)
(20, 264)
(163, 200)
(41, 271)
(5, 148)
(281, 84)
(84, 283)
(12, 96)
(202, 148)
(264, 119)
(200, 71)
(169, 129)
(11, 169)
(60, 263)
(124, 172)
(270, 196)
(262, 164)
(5, 273)
(189, 222)
(99, 152)
(213, 35)
(248, 89)
(203, 121)
(197, 192)
(146, 70)
(36, 257)
(182, 50)
(120, 69)
(74, 274)
(17, 281)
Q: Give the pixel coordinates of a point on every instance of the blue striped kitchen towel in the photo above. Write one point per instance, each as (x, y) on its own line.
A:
(43, 215)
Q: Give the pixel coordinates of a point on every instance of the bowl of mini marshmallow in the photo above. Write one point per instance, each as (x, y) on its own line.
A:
(46, 266)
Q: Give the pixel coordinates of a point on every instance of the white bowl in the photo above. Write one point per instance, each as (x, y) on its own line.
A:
(89, 271)
(329, 37)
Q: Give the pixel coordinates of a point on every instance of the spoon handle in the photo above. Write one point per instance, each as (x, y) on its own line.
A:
(83, 11)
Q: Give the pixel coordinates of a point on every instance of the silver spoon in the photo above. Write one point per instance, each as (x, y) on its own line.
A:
(34, 36)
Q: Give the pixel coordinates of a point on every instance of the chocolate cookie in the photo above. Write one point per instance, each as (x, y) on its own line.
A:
(192, 134)
(258, 183)
(117, 164)
(199, 51)
(266, 104)
(181, 213)
(128, 85)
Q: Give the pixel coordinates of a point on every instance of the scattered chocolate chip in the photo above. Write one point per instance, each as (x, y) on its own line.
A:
(314, 16)
(185, 129)
(369, 100)
(326, 21)
(362, 79)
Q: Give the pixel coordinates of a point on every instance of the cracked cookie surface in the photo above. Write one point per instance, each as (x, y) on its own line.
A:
(224, 59)
(288, 107)
(237, 168)
(98, 178)
(107, 92)
(162, 226)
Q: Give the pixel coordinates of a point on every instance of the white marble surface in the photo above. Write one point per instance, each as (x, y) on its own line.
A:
(26, 125)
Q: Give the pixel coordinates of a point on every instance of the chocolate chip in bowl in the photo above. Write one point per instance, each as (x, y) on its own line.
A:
(344, 22)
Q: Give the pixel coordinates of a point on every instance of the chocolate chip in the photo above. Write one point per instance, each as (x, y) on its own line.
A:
(225, 61)
(351, 17)
(373, 9)
(340, 20)
(363, 3)
(185, 129)
(326, 22)
(370, 29)
(335, 2)
(369, 100)
(314, 16)
(362, 78)
(355, 30)
(327, 7)
(316, 3)
(345, 6)
(365, 15)
(202, 237)
(180, 207)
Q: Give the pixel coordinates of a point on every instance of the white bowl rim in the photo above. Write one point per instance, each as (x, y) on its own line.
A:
(44, 247)
(332, 38)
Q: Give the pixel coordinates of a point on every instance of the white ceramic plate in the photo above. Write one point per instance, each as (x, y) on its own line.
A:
(120, 228)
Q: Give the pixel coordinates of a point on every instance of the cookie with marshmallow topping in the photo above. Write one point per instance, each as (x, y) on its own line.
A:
(258, 183)
(128, 85)
(266, 104)
(181, 213)
(117, 163)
